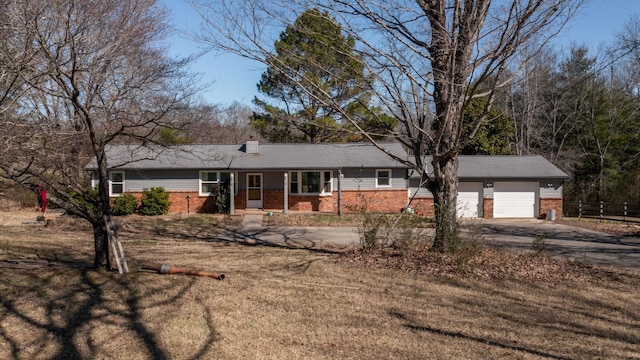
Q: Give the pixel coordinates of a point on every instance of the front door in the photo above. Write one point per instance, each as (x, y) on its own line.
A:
(254, 191)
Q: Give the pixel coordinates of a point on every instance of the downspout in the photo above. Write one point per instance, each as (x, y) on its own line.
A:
(232, 192)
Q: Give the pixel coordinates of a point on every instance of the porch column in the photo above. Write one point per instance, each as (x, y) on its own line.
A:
(339, 192)
(286, 193)
(232, 192)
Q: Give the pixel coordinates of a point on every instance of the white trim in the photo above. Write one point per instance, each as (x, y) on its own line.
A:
(470, 203)
(255, 204)
(388, 178)
(321, 186)
(216, 182)
(111, 182)
(516, 199)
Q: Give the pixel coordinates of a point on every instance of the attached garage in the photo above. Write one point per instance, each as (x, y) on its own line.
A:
(469, 199)
(498, 187)
(515, 199)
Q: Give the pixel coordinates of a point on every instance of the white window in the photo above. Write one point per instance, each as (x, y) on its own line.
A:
(116, 183)
(327, 183)
(210, 181)
(293, 183)
(383, 178)
(310, 182)
(94, 180)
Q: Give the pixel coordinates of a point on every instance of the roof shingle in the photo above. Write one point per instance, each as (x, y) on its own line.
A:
(314, 156)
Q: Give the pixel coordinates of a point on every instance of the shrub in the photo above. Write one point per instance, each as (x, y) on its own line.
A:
(408, 231)
(222, 199)
(155, 201)
(403, 232)
(372, 232)
(124, 204)
(539, 244)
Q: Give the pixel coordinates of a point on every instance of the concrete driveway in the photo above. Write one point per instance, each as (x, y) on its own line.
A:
(562, 240)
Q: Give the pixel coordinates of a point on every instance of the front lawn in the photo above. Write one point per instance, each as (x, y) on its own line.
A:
(283, 303)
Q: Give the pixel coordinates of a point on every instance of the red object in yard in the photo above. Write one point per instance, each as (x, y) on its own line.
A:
(170, 269)
(42, 199)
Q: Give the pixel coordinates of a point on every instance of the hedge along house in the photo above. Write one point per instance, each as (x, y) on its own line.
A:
(501, 187)
(330, 177)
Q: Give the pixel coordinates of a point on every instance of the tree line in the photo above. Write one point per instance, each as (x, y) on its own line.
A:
(580, 110)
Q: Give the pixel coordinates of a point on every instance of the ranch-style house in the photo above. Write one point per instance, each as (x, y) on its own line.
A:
(329, 177)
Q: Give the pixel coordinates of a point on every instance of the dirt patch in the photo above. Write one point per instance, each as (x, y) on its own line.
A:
(25, 217)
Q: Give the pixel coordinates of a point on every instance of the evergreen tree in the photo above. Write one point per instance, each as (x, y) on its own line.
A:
(494, 136)
(314, 76)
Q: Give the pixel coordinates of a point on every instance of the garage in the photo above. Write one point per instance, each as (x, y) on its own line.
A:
(515, 199)
(469, 199)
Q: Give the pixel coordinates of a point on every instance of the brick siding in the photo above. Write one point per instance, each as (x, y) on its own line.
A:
(388, 201)
(551, 204)
(424, 207)
(487, 208)
(194, 204)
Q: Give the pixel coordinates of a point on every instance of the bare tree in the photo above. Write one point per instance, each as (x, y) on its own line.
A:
(546, 107)
(215, 124)
(95, 73)
(430, 58)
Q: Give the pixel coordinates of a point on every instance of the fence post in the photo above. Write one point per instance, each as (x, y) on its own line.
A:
(624, 217)
(579, 210)
(601, 211)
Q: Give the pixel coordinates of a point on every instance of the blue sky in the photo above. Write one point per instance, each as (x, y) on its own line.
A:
(232, 78)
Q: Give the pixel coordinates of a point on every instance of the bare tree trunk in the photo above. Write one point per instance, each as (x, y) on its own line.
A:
(445, 194)
(101, 246)
(100, 236)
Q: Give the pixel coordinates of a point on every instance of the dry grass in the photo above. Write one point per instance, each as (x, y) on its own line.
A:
(331, 219)
(311, 219)
(608, 226)
(279, 303)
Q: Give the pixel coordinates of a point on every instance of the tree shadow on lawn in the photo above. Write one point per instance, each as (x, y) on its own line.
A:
(278, 237)
(410, 324)
(73, 313)
(287, 238)
(589, 321)
(482, 341)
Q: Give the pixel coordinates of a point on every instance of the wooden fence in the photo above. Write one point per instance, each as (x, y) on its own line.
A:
(602, 210)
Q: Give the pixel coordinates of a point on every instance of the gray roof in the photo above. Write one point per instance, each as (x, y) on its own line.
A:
(315, 156)
(269, 157)
(507, 166)
(504, 167)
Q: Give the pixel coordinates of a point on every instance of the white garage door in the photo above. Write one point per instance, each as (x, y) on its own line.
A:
(469, 195)
(515, 199)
